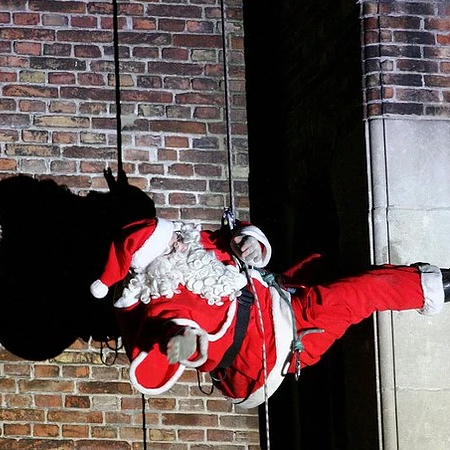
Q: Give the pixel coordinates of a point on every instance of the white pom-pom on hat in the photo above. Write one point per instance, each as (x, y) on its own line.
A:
(143, 242)
(99, 289)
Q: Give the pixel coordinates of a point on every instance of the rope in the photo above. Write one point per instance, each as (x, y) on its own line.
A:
(119, 156)
(144, 426)
(117, 88)
(232, 208)
(227, 105)
(264, 356)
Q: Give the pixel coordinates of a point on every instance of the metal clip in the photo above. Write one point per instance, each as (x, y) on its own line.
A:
(228, 219)
(297, 365)
(297, 347)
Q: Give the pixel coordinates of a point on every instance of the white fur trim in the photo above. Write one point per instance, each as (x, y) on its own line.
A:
(282, 320)
(223, 329)
(433, 291)
(251, 230)
(129, 298)
(152, 391)
(203, 356)
(155, 245)
(99, 289)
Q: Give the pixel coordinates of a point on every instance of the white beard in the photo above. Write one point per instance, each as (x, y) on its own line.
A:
(196, 269)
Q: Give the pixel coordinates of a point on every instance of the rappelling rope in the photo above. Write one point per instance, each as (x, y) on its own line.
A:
(227, 105)
(232, 208)
(120, 171)
(264, 355)
(229, 220)
(117, 87)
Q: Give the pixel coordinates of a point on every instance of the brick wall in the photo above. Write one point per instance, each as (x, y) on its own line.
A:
(406, 58)
(58, 120)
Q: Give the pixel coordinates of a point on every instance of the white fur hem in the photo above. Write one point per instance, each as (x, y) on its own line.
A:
(261, 237)
(282, 320)
(155, 245)
(433, 292)
(152, 391)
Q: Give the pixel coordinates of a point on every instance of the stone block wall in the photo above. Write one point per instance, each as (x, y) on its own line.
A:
(406, 56)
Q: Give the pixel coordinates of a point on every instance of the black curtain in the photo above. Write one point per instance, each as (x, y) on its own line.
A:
(308, 192)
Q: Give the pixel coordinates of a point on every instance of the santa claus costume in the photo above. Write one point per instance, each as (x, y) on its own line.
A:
(240, 320)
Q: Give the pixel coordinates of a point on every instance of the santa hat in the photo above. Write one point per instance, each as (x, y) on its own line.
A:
(144, 241)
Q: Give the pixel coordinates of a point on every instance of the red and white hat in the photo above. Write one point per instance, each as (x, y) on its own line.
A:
(144, 241)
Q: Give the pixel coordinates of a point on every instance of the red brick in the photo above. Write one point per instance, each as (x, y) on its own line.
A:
(187, 419)
(18, 400)
(77, 401)
(91, 79)
(174, 126)
(13, 61)
(107, 387)
(7, 384)
(140, 23)
(105, 432)
(78, 417)
(32, 106)
(27, 48)
(48, 401)
(16, 368)
(75, 371)
(7, 164)
(102, 445)
(84, 21)
(47, 371)
(51, 385)
(5, 17)
(21, 415)
(61, 78)
(66, 7)
(7, 77)
(43, 430)
(30, 91)
(17, 429)
(75, 431)
(161, 403)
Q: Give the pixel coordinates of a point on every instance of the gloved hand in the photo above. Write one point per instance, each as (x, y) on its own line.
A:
(247, 248)
(181, 346)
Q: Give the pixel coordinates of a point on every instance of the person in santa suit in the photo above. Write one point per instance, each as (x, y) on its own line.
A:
(202, 299)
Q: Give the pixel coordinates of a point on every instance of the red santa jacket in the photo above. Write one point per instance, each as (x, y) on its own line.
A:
(142, 324)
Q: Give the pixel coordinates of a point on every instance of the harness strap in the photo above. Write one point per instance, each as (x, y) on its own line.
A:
(296, 345)
(244, 306)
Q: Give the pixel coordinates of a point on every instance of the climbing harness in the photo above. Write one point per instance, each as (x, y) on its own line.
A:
(296, 345)
(245, 303)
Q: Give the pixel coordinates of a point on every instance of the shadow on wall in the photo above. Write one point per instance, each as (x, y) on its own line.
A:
(53, 246)
(308, 192)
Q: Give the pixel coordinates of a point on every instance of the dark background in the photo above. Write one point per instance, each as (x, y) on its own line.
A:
(308, 192)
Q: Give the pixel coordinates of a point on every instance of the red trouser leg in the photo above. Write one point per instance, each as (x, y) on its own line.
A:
(335, 307)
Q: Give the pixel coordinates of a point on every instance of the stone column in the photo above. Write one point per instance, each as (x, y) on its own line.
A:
(406, 87)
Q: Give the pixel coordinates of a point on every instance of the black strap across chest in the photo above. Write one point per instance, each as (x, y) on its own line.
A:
(244, 306)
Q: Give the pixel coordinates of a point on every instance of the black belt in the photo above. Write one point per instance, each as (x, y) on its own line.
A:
(244, 306)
